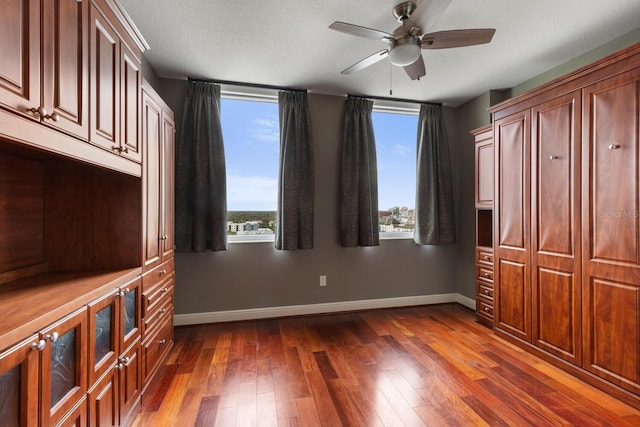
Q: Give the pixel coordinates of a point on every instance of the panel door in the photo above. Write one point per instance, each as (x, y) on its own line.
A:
(104, 53)
(151, 134)
(104, 342)
(19, 380)
(64, 366)
(130, 382)
(611, 229)
(167, 191)
(512, 311)
(65, 68)
(555, 222)
(20, 53)
(103, 400)
(131, 80)
(484, 173)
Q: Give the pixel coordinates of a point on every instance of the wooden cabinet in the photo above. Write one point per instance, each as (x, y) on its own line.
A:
(566, 226)
(114, 355)
(158, 178)
(43, 74)
(484, 183)
(611, 221)
(44, 377)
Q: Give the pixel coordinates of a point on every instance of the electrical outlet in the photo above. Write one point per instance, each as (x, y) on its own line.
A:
(323, 280)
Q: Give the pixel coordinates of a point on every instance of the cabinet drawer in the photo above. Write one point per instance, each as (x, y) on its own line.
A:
(157, 275)
(484, 256)
(154, 348)
(156, 296)
(484, 290)
(484, 273)
(485, 308)
(158, 314)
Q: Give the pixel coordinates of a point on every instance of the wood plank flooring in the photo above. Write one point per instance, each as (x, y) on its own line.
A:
(417, 366)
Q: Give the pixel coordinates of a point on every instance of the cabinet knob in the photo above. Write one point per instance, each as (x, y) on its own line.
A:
(614, 146)
(486, 291)
(487, 275)
(119, 366)
(52, 337)
(487, 257)
(40, 345)
(552, 157)
(116, 148)
(487, 309)
(163, 311)
(124, 361)
(124, 150)
(162, 272)
(165, 290)
(53, 116)
(162, 341)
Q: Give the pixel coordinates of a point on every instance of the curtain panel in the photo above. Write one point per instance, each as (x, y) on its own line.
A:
(294, 228)
(201, 188)
(359, 177)
(435, 220)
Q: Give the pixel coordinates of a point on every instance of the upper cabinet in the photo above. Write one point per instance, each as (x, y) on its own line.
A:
(73, 66)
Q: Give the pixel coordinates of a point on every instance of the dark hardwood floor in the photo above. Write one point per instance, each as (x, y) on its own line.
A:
(431, 365)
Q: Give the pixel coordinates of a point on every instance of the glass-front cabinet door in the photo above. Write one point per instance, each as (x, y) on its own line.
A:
(130, 315)
(64, 366)
(19, 372)
(103, 335)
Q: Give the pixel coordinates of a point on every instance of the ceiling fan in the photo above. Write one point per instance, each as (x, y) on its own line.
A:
(405, 44)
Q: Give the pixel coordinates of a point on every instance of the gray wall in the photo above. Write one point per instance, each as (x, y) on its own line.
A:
(254, 275)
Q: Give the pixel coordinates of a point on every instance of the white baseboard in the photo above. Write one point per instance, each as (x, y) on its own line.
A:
(331, 307)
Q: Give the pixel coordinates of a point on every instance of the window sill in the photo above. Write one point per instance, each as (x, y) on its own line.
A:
(251, 239)
(397, 236)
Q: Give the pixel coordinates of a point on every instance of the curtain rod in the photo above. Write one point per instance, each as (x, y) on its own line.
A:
(384, 98)
(256, 85)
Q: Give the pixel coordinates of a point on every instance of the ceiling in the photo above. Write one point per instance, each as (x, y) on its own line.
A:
(288, 43)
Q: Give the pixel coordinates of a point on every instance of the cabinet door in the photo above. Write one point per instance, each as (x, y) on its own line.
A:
(104, 53)
(104, 342)
(152, 132)
(484, 170)
(512, 284)
(131, 79)
(20, 53)
(65, 65)
(130, 313)
(19, 376)
(130, 382)
(103, 400)
(64, 366)
(611, 226)
(168, 193)
(555, 224)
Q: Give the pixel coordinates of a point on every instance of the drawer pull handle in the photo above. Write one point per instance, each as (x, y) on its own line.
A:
(486, 291)
(163, 311)
(614, 146)
(40, 345)
(487, 309)
(162, 272)
(165, 290)
(487, 258)
(487, 275)
(162, 342)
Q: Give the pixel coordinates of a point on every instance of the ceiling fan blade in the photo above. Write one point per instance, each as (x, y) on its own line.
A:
(456, 38)
(366, 62)
(426, 14)
(358, 31)
(417, 69)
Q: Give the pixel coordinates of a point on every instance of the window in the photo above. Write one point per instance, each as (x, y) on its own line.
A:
(396, 133)
(250, 131)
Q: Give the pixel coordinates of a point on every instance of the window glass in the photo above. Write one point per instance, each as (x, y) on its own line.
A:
(251, 144)
(396, 155)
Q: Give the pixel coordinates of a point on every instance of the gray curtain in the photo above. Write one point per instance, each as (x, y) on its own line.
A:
(201, 188)
(435, 221)
(295, 181)
(359, 177)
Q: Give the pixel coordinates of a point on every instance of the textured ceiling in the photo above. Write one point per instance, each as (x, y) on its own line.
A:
(287, 42)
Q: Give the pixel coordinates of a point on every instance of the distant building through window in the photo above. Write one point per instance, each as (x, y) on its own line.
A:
(250, 131)
(396, 135)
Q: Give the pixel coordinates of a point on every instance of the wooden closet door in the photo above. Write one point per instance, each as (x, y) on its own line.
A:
(65, 65)
(151, 181)
(20, 53)
(512, 314)
(611, 229)
(555, 225)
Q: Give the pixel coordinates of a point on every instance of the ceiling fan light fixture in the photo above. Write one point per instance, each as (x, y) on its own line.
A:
(405, 51)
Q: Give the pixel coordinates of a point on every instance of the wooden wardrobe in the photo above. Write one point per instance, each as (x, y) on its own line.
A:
(566, 231)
